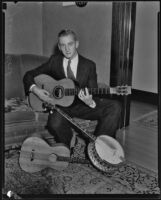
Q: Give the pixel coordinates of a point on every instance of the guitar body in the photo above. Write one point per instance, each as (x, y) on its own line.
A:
(62, 92)
(36, 155)
(56, 90)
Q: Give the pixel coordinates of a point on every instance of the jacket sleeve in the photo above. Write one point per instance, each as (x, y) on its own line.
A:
(28, 78)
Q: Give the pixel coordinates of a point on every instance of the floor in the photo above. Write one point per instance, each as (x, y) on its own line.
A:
(139, 108)
(140, 143)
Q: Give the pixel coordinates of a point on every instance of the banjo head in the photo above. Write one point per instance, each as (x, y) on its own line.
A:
(106, 153)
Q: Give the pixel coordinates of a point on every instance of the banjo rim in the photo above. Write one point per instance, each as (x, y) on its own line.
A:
(97, 160)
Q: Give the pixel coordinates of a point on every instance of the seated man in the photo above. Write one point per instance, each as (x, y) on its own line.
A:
(72, 65)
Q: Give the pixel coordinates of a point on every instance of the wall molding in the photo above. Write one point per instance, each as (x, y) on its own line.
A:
(144, 96)
(70, 3)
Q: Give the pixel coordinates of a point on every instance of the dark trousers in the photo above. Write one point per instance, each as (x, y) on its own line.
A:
(107, 112)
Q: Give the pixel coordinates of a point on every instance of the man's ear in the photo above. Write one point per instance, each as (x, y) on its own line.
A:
(77, 43)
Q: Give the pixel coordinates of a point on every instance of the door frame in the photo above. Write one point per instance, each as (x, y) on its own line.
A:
(122, 51)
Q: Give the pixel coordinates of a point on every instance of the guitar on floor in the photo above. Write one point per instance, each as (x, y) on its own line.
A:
(36, 155)
(63, 92)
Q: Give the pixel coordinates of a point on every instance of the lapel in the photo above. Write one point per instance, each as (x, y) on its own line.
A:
(60, 67)
(81, 70)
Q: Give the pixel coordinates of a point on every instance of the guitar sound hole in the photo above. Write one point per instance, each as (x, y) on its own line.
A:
(58, 92)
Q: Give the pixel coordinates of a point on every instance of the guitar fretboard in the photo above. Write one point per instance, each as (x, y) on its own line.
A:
(73, 160)
(94, 91)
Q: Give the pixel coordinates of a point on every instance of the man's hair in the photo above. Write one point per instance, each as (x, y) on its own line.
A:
(66, 32)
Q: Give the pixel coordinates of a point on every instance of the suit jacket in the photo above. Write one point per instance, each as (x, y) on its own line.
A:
(86, 72)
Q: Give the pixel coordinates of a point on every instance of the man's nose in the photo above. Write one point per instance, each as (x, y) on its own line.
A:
(66, 48)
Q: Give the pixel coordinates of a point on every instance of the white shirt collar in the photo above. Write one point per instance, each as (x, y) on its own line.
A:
(73, 60)
(74, 64)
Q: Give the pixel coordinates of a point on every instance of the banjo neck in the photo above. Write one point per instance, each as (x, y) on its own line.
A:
(92, 137)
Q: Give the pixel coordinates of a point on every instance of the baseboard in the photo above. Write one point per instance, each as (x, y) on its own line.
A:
(144, 96)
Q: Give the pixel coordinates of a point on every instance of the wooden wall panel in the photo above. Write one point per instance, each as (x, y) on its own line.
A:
(122, 48)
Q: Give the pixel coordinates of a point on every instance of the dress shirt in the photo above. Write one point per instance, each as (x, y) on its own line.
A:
(73, 65)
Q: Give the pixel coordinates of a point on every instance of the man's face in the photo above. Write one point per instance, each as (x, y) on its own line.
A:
(68, 46)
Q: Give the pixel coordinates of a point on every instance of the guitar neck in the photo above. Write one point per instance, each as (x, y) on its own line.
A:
(97, 91)
(73, 160)
(93, 91)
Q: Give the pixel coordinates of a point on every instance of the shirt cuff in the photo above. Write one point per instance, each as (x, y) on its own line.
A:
(93, 104)
(30, 89)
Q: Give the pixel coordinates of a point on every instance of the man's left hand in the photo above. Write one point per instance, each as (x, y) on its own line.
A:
(85, 96)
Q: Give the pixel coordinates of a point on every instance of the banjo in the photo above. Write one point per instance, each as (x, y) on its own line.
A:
(105, 153)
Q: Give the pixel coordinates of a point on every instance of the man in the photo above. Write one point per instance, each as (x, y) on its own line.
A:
(83, 71)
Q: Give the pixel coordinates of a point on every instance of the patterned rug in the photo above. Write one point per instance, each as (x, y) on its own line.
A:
(81, 178)
(78, 179)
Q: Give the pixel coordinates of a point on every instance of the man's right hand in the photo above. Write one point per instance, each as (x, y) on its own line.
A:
(44, 95)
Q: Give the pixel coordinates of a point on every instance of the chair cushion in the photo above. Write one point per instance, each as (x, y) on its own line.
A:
(16, 110)
(21, 122)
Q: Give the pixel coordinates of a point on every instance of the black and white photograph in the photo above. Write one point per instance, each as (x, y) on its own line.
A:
(81, 99)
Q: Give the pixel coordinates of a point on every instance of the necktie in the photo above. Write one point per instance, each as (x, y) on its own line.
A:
(69, 71)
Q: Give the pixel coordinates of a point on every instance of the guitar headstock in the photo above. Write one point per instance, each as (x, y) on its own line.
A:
(121, 90)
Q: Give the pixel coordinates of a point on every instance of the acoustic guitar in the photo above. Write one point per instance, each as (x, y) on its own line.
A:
(63, 92)
(36, 155)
